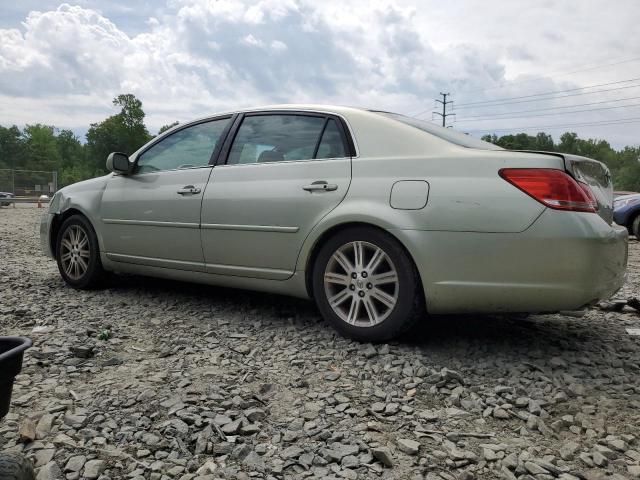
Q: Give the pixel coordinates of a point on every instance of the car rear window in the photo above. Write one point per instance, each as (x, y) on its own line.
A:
(447, 134)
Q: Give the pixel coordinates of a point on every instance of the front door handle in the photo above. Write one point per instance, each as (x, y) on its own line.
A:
(320, 185)
(189, 190)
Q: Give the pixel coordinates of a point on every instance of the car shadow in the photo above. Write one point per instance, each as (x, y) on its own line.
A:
(226, 297)
(476, 336)
(473, 340)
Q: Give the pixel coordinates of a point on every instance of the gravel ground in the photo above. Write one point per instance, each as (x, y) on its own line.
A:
(164, 380)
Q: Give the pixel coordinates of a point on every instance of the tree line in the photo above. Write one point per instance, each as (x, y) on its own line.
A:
(624, 164)
(44, 147)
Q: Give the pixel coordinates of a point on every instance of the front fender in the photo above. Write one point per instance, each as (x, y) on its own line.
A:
(84, 197)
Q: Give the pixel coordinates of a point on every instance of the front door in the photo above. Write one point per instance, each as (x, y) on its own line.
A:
(284, 172)
(152, 217)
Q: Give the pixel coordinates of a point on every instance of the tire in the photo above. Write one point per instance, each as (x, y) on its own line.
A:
(89, 273)
(336, 279)
(15, 467)
(635, 226)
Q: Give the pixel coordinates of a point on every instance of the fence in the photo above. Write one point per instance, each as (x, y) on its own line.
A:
(28, 183)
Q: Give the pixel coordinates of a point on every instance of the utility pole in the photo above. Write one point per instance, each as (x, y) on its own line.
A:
(444, 113)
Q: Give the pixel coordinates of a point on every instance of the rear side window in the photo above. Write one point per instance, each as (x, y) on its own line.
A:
(283, 137)
(331, 145)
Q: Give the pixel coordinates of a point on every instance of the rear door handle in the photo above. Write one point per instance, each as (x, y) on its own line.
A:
(320, 185)
(189, 190)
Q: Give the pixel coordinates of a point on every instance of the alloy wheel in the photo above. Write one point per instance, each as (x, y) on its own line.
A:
(75, 252)
(361, 284)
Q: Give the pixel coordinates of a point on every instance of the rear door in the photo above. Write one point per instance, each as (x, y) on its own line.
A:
(281, 173)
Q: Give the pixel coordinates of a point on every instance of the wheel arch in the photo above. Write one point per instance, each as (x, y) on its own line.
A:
(57, 222)
(333, 230)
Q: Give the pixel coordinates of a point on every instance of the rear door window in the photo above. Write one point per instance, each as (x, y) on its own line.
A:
(285, 137)
(331, 145)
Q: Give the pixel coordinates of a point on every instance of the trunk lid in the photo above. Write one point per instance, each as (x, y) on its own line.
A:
(593, 173)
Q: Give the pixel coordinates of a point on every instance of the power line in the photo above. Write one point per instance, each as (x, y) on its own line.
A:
(542, 77)
(554, 98)
(619, 121)
(496, 114)
(548, 114)
(549, 93)
(554, 74)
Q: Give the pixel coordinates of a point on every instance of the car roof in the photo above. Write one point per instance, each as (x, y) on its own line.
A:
(305, 106)
(360, 119)
(308, 107)
(349, 112)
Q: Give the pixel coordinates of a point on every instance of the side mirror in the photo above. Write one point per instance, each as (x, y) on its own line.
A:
(118, 162)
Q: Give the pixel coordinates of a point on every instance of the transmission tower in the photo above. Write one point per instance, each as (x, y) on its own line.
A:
(444, 113)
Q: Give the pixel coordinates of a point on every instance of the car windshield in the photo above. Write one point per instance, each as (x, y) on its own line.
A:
(447, 134)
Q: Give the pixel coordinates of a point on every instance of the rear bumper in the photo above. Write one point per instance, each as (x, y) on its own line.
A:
(564, 261)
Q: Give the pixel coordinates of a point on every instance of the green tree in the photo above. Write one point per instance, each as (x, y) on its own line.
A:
(164, 128)
(626, 175)
(569, 143)
(12, 149)
(42, 148)
(624, 164)
(544, 142)
(122, 132)
(73, 164)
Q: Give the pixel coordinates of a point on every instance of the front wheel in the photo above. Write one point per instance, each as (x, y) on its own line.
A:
(78, 254)
(366, 285)
(15, 467)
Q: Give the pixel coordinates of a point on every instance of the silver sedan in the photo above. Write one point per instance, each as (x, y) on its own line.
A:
(379, 217)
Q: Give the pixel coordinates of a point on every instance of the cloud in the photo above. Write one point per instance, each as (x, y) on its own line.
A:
(189, 58)
(215, 55)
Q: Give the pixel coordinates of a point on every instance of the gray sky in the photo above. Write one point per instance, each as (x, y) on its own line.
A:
(63, 63)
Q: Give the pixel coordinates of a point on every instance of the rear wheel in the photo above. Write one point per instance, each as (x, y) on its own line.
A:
(14, 466)
(366, 285)
(78, 254)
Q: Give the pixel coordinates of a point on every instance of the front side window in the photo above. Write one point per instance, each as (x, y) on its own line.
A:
(190, 147)
(276, 138)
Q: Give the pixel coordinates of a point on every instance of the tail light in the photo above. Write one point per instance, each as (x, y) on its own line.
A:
(553, 188)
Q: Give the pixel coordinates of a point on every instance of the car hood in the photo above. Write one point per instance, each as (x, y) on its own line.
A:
(617, 203)
(626, 197)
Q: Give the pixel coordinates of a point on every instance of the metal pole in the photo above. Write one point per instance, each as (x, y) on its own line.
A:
(444, 109)
(55, 181)
(444, 113)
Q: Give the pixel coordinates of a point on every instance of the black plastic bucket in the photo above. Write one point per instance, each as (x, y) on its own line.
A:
(11, 352)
